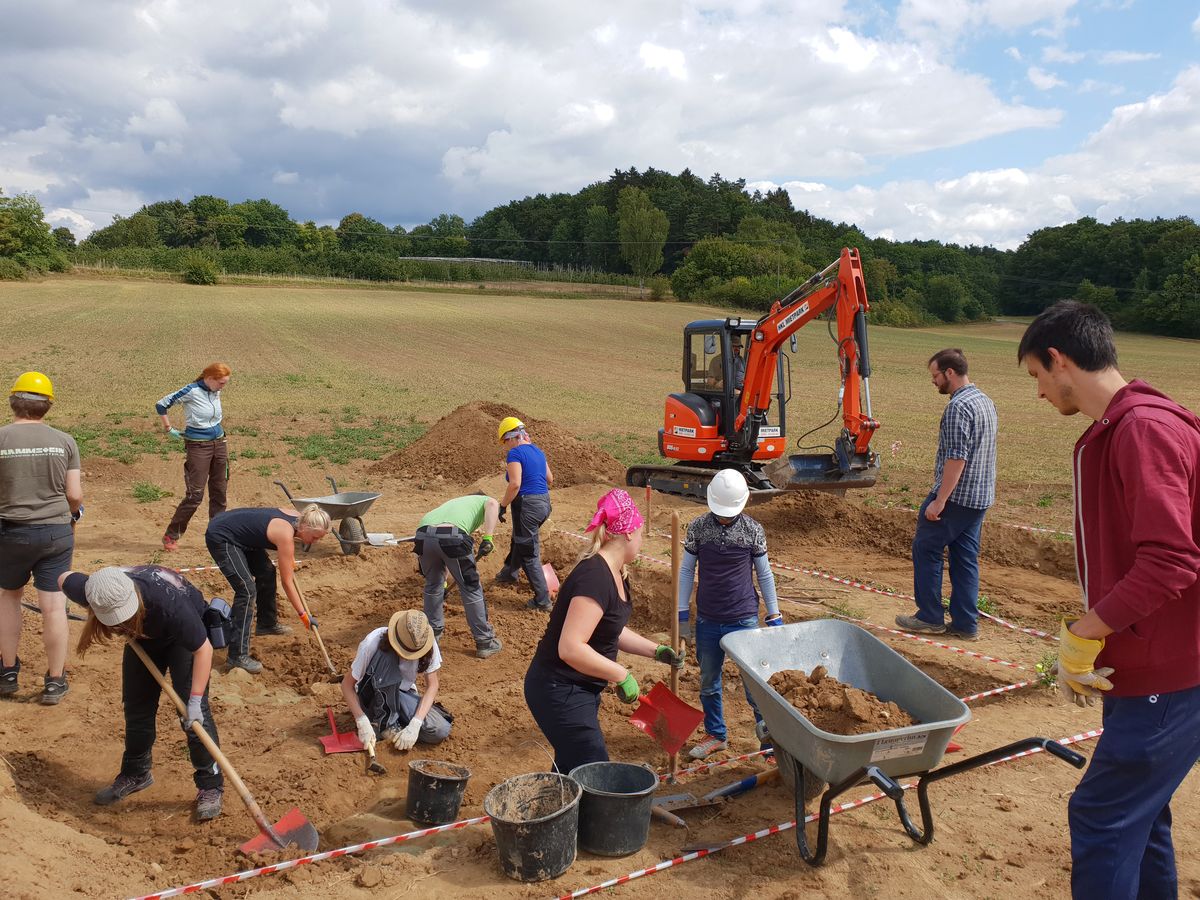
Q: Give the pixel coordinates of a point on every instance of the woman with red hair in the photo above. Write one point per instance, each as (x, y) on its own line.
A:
(207, 456)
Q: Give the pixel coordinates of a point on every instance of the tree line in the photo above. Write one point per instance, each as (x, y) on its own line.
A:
(710, 240)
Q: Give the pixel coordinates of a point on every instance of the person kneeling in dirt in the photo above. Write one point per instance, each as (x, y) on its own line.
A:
(238, 540)
(730, 549)
(577, 656)
(380, 687)
(444, 543)
(169, 617)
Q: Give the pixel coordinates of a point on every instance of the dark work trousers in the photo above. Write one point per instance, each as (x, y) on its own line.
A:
(569, 716)
(1120, 814)
(528, 512)
(140, 693)
(958, 530)
(446, 548)
(251, 574)
(207, 463)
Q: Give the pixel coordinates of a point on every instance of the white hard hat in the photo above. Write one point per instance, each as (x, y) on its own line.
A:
(728, 493)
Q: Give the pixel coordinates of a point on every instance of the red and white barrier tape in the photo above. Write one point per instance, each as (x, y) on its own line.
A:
(1033, 631)
(776, 829)
(994, 691)
(924, 640)
(316, 857)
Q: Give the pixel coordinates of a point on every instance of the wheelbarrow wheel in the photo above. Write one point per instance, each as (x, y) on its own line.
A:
(351, 535)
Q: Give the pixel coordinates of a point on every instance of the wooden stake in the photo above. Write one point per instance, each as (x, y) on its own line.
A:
(676, 557)
(649, 516)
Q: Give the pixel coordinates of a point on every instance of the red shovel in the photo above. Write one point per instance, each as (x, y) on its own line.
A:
(552, 584)
(666, 718)
(339, 741)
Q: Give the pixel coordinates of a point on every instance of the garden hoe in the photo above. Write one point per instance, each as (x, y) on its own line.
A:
(293, 828)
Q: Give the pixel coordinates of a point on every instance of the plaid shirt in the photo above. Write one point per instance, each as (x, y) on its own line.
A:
(968, 432)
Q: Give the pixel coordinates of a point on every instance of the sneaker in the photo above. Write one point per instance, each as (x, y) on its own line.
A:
(952, 632)
(122, 787)
(764, 736)
(505, 578)
(8, 678)
(170, 543)
(707, 747)
(488, 648)
(208, 804)
(277, 629)
(919, 626)
(54, 689)
(541, 607)
(249, 663)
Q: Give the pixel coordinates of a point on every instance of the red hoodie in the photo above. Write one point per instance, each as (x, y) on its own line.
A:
(1137, 526)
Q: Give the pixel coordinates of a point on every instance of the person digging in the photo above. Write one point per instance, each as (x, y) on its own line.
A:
(171, 620)
(380, 688)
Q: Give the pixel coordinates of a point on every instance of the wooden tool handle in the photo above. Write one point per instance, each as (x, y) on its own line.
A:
(313, 628)
(675, 560)
(211, 746)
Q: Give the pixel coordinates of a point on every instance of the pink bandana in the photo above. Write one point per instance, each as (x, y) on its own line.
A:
(617, 512)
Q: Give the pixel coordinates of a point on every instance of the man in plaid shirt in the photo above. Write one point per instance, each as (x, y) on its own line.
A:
(964, 486)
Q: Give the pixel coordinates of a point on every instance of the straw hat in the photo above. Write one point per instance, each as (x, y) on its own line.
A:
(409, 634)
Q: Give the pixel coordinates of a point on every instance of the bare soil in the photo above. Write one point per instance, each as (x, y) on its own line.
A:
(1001, 830)
(835, 707)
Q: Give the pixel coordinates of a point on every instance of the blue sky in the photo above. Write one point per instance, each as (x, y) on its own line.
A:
(972, 121)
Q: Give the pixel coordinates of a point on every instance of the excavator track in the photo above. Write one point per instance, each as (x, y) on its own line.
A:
(691, 482)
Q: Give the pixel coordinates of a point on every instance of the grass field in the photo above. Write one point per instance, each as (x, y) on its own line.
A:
(324, 372)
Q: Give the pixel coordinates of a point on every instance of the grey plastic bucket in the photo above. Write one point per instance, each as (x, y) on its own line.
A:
(614, 814)
(435, 791)
(535, 820)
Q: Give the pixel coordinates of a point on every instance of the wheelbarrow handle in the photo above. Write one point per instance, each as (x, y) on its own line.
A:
(332, 484)
(286, 492)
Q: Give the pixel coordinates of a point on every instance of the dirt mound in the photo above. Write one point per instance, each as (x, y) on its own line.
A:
(461, 447)
(835, 707)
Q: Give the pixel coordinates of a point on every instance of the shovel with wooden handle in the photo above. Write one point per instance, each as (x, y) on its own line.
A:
(293, 828)
(675, 561)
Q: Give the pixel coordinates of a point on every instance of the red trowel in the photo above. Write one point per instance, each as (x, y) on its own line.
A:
(339, 741)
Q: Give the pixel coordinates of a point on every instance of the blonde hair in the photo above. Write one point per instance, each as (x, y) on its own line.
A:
(600, 537)
(96, 632)
(314, 518)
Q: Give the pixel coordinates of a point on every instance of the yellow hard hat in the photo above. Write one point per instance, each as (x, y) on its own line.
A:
(507, 424)
(33, 383)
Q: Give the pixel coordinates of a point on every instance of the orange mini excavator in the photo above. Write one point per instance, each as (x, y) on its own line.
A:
(731, 370)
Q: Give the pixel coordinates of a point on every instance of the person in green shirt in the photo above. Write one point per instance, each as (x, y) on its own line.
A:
(444, 543)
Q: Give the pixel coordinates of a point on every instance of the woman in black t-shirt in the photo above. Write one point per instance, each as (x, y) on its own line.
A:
(577, 656)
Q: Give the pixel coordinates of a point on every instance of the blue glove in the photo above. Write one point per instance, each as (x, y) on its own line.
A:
(776, 619)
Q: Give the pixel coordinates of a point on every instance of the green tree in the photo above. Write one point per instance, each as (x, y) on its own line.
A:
(24, 235)
(599, 235)
(267, 224)
(642, 229)
(359, 232)
(945, 297)
(63, 238)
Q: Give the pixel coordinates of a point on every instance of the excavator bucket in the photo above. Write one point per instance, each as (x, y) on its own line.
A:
(821, 472)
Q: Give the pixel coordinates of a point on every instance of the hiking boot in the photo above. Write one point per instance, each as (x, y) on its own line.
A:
(708, 746)
(8, 678)
(505, 578)
(540, 607)
(952, 632)
(277, 629)
(53, 690)
(122, 787)
(208, 804)
(488, 648)
(249, 663)
(170, 543)
(919, 626)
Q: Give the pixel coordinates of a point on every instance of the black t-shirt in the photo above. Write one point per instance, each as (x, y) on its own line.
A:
(246, 527)
(591, 578)
(174, 605)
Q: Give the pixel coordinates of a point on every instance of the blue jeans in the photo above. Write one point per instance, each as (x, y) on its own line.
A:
(958, 529)
(1120, 814)
(712, 660)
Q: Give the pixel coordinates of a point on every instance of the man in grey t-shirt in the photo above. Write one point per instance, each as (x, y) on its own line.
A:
(41, 497)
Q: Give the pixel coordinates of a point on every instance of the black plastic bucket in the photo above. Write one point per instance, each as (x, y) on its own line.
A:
(535, 819)
(614, 814)
(435, 791)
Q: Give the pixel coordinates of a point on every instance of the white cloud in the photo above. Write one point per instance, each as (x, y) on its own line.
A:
(285, 178)
(1056, 54)
(1196, 25)
(472, 59)
(945, 21)
(1043, 80)
(1119, 57)
(663, 58)
(1013, 53)
(160, 118)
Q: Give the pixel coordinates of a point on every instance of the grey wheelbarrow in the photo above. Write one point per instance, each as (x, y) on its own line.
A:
(808, 756)
(346, 506)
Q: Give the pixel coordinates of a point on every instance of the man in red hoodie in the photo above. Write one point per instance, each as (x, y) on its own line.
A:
(1137, 645)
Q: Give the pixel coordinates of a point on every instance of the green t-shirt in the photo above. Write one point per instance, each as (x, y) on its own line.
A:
(463, 512)
(34, 461)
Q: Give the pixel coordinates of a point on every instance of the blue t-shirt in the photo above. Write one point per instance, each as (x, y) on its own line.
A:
(533, 468)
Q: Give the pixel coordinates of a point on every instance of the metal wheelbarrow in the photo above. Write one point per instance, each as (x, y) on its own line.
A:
(348, 506)
(808, 754)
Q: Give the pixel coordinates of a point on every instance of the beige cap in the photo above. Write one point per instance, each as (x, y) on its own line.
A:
(409, 634)
(112, 596)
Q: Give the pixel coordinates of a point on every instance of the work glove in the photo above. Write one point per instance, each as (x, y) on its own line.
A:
(775, 620)
(309, 621)
(485, 546)
(407, 736)
(1078, 679)
(194, 712)
(366, 732)
(175, 433)
(685, 627)
(627, 689)
(665, 654)
(503, 511)
(77, 515)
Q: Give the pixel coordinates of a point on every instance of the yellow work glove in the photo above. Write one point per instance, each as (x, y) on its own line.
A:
(1078, 678)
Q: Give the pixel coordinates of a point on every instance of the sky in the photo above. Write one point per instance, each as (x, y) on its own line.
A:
(964, 121)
